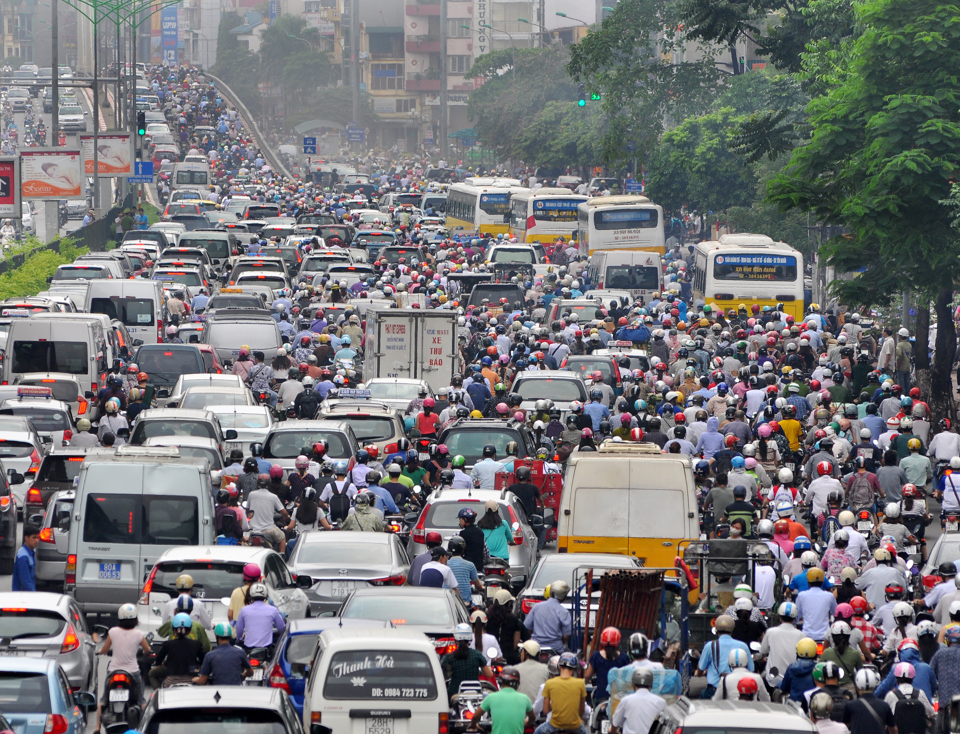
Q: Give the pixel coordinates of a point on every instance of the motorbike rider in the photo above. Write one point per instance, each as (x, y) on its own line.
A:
(564, 699)
(179, 656)
(258, 620)
(637, 712)
(227, 664)
(124, 640)
(508, 707)
(484, 471)
(184, 585)
(264, 503)
(364, 516)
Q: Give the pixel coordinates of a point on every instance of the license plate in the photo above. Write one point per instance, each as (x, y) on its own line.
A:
(864, 525)
(378, 725)
(605, 726)
(952, 527)
(257, 674)
(790, 465)
(911, 549)
(119, 695)
(231, 445)
(423, 457)
(336, 589)
(110, 571)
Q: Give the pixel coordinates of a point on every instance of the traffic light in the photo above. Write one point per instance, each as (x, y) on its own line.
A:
(582, 95)
(141, 123)
(594, 96)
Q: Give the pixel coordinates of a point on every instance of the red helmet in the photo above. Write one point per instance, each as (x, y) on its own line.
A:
(910, 490)
(320, 448)
(814, 385)
(774, 426)
(276, 471)
(434, 537)
(755, 308)
(860, 605)
(730, 441)
(771, 341)
(610, 637)
(622, 321)
(915, 392)
(142, 377)
(636, 434)
(372, 450)
(679, 418)
(747, 687)
(303, 368)
(781, 526)
(429, 403)
(820, 434)
(578, 333)
(824, 468)
(492, 351)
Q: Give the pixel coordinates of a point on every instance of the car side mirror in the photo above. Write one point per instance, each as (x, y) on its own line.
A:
(36, 519)
(14, 478)
(124, 433)
(518, 582)
(89, 395)
(304, 582)
(549, 517)
(231, 435)
(138, 342)
(84, 699)
(411, 517)
(536, 522)
(46, 439)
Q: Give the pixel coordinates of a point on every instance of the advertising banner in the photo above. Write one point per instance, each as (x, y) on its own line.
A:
(169, 34)
(51, 173)
(10, 187)
(114, 154)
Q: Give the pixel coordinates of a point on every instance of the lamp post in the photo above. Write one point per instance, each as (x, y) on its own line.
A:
(564, 15)
(513, 48)
(543, 29)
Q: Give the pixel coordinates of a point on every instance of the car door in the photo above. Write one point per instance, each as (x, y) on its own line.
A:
(76, 721)
(284, 593)
(88, 644)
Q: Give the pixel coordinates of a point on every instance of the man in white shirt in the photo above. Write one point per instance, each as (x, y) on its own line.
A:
(637, 712)
(437, 573)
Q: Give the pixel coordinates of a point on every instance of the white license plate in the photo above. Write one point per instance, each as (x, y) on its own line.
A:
(952, 527)
(336, 589)
(424, 456)
(257, 674)
(864, 525)
(110, 571)
(378, 725)
(911, 549)
(231, 445)
(118, 695)
(605, 726)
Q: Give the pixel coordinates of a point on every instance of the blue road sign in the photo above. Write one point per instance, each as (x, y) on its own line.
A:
(310, 146)
(354, 136)
(143, 168)
(633, 186)
(140, 179)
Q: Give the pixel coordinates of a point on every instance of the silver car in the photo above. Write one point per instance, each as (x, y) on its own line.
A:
(440, 515)
(48, 625)
(397, 392)
(286, 440)
(560, 387)
(51, 553)
(338, 563)
(201, 379)
(251, 422)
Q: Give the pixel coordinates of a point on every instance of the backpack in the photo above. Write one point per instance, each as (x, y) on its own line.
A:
(909, 713)
(309, 404)
(340, 503)
(860, 493)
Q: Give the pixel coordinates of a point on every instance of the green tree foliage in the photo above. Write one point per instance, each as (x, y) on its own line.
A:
(235, 63)
(762, 216)
(801, 23)
(883, 153)
(724, 22)
(562, 134)
(288, 40)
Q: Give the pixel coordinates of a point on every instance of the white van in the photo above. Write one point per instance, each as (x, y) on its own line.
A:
(375, 680)
(636, 271)
(129, 509)
(138, 304)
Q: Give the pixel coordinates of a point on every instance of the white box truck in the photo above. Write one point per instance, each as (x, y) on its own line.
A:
(411, 343)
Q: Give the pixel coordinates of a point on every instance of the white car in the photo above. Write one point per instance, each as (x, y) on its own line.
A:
(397, 392)
(193, 447)
(560, 387)
(53, 419)
(251, 422)
(201, 379)
(72, 118)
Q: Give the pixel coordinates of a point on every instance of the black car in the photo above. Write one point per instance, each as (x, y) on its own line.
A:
(164, 363)
(467, 437)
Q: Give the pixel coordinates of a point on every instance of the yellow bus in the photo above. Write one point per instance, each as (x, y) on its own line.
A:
(627, 222)
(747, 269)
(543, 215)
(481, 205)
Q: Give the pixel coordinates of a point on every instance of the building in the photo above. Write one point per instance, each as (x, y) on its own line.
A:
(21, 28)
(199, 21)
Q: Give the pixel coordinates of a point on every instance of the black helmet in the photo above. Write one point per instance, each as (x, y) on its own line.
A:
(513, 449)
(680, 432)
(403, 445)
(572, 421)
(947, 569)
(510, 677)
(236, 455)
(604, 426)
(223, 496)
(446, 476)
(250, 464)
(489, 451)
(523, 474)
(256, 449)
(463, 412)
(457, 546)
(514, 400)
(362, 456)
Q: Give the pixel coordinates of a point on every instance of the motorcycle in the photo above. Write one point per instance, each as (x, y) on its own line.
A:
(259, 658)
(497, 574)
(866, 524)
(467, 706)
(121, 712)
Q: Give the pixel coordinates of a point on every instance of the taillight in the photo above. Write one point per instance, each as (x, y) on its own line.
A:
(443, 722)
(67, 435)
(55, 724)
(93, 387)
(46, 536)
(398, 580)
(70, 575)
(527, 604)
(278, 679)
(82, 406)
(70, 642)
(159, 331)
(445, 645)
(314, 718)
(34, 496)
(34, 462)
(419, 533)
(148, 586)
(514, 522)
(6, 503)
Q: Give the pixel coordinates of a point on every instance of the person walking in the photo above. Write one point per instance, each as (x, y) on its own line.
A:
(25, 563)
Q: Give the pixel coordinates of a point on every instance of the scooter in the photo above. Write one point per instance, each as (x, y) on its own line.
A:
(121, 712)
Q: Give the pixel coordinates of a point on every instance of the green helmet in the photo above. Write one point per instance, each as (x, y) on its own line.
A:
(458, 462)
(223, 629)
(499, 387)
(818, 672)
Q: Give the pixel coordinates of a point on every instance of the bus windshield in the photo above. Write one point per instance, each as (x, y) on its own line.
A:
(555, 210)
(626, 219)
(751, 266)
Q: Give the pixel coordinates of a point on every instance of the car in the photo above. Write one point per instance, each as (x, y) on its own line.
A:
(338, 563)
(51, 552)
(742, 717)
(57, 471)
(216, 570)
(349, 274)
(165, 363)
(440, 511)
(36, 697)
(184, 275)
(259, 266)
(211, 360)
(585, 365)
(49, 625)
(72, 118)
(229, 328)
(155, 422)
(66, 388)
(553, 385)
(435, 612)
(185, 382)
(397, 392)
(946, 548)
(286, 440)
(204, 397)
(192, 447)
(296, 649)
(372, 421)
(467, 437)
(53, 419)
(252, 424)
(19, 99)
(564, 567)
(81, 272)
(21, 450)
(317, 262)
(220, 710)
(232, 299)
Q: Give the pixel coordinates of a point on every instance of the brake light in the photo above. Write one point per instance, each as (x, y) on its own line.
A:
(70, 641)
(120, 678)
(33, 495)
(527, 604)
(70, 574)
(34, 462)
(67, 435)
(419, 533)
(518, 533)
(82, 405)
(445, 645)
(443, 722)
(278, 679)
(159, 331)
(314, 718)
(46, 535)
(5, 503)
(148, 586)
(398, 580)
(55, 724)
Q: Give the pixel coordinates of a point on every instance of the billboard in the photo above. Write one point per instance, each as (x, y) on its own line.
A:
(10, 187)
(169, 34)
(51, 173)
(114, 154)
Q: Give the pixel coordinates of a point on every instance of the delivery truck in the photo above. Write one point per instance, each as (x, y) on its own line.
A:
(411, 343)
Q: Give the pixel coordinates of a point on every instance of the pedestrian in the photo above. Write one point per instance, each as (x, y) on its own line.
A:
(25, 563)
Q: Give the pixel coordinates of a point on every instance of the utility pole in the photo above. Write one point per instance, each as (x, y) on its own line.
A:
(443, 79)
(355, 58)
(55, 40)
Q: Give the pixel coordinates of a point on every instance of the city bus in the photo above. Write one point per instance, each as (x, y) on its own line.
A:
(481, 205)
(544, 215)
(628, 222)
(747, 269)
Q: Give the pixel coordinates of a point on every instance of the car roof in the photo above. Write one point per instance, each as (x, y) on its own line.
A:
(386, 635)
(43, 600)
(739, 714)
(471, 495)
(400, 591)
(547, 375)
(395, 381)
(351, 405)
(33, 402)
(239, 409)
(219, 389)
(221, 697)
(216, 553)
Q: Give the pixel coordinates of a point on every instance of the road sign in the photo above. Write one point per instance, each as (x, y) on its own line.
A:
(143, 168)
(354, 136)
(633, 186)
(310, 146)
(140, 179)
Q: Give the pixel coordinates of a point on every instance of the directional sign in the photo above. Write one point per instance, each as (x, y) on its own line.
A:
(143, 168)
(633, 186)
(140, 179)
(354, 135)
(310, 146)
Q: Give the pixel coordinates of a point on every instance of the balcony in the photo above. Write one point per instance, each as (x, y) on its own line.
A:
(428, 82)
(422, 9)
(424, 44)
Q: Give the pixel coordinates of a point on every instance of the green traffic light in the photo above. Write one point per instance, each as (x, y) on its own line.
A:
(582, 102)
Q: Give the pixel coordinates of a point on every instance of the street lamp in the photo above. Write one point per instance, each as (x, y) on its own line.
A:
(543, 29)
(513, 48)
(564, 15)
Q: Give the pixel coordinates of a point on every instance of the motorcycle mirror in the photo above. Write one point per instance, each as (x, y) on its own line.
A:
(417, 489)
(910, 564)
(515, 527)
(755, 646)
(225, 600)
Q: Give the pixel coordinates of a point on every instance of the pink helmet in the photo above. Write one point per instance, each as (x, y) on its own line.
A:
(302, 462)
(504, 359)
(904, 670)
(518, 416)
(750, 463)
(276, 471)
(251, 572)
(764, 430)
(502, 408)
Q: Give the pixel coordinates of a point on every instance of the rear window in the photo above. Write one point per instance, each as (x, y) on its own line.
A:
(444, 514)
(550, 389)
(168, 365)
(242, 420)
(15, 449)
(229, 720)
(234, 302)
(171, 427)
(214, 247)
(320, 264)
(261, 212)
(43, 420)
(126, 519)
(360, 675)
(50, 356)
(61, 389)
(201, 399)
(344, 552)
(414, 609)
(632, 277)
(494, 293)
(371, 428)
(183, 277)
(523, 257)
(469, 444)
(74, 273)
(259, 335)
(24, 693)
(393, 391)
(22, 623)
(393, 256)
(207, 358)
(210, 580)
(290, 444)
(60, 469)
(131, 311)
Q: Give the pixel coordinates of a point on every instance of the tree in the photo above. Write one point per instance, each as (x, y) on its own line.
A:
(235, 63)
(723, 22)
(882, 155)
(561, 134)
(288, 38)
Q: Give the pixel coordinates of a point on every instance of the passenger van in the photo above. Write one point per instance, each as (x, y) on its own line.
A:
(631, 270)
(628, 498)
(190, 176)
(137, 304)
(129, 509)
(220, 246)
(389, 677)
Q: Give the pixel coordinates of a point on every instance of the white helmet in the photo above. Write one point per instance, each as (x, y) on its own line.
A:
(765, 527)
(463, 632)
(809, 559)
(743, 605)
(902, 609)
(892, 510)
(258, 591)
(785, 476)
(846, 518)
(738, 658)
(840, 628)
(127, 611)
(866, 679)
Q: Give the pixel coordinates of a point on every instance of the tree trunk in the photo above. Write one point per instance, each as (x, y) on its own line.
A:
(942, 403)
(735, 59)
(921, 358)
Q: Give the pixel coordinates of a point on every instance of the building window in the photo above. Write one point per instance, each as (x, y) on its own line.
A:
(386, 76)
(459, 64)
(455, 28)
(506, 18)
(311, 6)
(406, 105)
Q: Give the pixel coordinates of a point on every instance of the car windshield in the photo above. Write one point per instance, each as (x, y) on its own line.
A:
(172, 427)
(564, 390)
(50, 356)
(225, 719)
(523, 257)
(219, 301)
(290, 444)
(242, 420)
(344, 553)
(60, 468)
(371, 428)
(469, 444)
(198, 452)
(20, 623)
(168, 365)
(400, 610)
(634, 277)
(46, 421)
(586, 367)
(393, 390)
(24, 693)
(270, 281)
(397, 674)
(259, 335)
(201, 399)
(211, 580)
(132, 519)
(130, 311)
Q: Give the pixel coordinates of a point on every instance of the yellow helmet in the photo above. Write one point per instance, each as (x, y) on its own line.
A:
(476, 414)
(807, 648)
(914, 444)
(814, 575)
(704, 322)
(324, 338)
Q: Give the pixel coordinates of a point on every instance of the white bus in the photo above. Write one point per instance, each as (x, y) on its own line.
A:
(627, 222)
(543, 215)
(481, 205)
(747, 269)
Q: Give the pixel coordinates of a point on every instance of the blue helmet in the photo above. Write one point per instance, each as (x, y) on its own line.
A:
(185, 604)
(703, 467)
(737, 462)
(802, 542)
(722, 389)
(340, 466)
(182, 621)
(486, 361)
